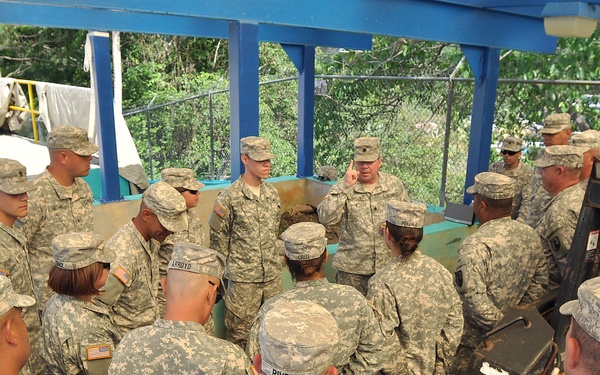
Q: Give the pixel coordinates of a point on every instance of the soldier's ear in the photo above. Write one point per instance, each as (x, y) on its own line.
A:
(573, 359)
(244, 158)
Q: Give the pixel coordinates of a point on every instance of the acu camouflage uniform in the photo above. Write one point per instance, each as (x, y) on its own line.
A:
(586, 308)
(522, 175)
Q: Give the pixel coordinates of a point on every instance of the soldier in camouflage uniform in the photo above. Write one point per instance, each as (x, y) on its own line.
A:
(131, 289)
(583, 337)
(297, 337)
(13, 332)
(419, 310)
(182, 179)
(361, 349)
(61, 204)
(358, 201)
(589, 140)
(14, 260)
(556, 131)
(243, 226)
(520, 172)
(560, 167)
(78, 335)
(178, 343)
(500, 266)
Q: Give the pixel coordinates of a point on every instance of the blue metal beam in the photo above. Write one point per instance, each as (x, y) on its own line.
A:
(101, 19)
(243, 72)
(418, 19)
(105, 116)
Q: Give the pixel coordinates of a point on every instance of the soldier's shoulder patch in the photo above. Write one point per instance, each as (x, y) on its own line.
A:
(555, 243)
(95, 352)
(458, 278)
(122, 274)
(3, 272)
(220, 210)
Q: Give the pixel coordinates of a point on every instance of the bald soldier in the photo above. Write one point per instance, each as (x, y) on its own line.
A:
(357, 202)
(61, 204)
(499, 266)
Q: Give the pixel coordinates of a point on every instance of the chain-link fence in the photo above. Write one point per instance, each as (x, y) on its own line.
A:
(423, 124)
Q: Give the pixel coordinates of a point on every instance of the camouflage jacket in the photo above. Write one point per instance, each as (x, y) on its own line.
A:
(539, 199)
(499, 266)
(361, 249)
(362, 347)
(177, 347)
(53, 210)
(522, 174)
(557, 227)
(244, 228)
(14, 264)
(78, 336)
(131, 286)
(419, 308)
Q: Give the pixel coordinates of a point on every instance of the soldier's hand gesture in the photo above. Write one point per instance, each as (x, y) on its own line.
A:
(351, 175)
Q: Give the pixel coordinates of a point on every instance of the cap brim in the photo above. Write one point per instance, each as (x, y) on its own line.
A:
(569, 308)
(174, 225)
(18, 188)
(24, 301)
(541, 163)
(550, 130)
(193, 185)
(106, 255)
(87, 150)
(367, 159)
(261, 157)
(471, 189)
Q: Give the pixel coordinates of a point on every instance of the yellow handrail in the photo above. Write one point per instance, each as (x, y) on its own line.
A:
(31, 108)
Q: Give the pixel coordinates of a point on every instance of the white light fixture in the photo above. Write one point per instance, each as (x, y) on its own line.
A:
(570, 19)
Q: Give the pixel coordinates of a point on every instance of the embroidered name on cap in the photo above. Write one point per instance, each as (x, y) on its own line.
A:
(180, 265)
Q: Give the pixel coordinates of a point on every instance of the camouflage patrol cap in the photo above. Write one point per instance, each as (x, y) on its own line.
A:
(257, 148)
(563, 155)
(297, 338)
(406, 214)
(72, 138)
(73, 251)
(304, 241)
(198, 259)
(493, 185)
(180, 178)
(556, 122)
(13, 177)
(10, 299)
(367, 149)
(327, 173)
(586, 308)
(168, 205)
(512, 144)
(587, 139)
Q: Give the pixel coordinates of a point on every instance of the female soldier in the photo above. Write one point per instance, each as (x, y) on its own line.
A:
(414, 297)
(78, 335)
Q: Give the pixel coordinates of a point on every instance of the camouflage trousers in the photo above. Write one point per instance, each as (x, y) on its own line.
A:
(242, 302)
(358, 282)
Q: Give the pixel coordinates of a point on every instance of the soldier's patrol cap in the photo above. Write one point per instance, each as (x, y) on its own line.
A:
(406, 214)
(367, 149)
(257, 148)
(198, 259)
(71, 138)
(304, 241)
(556, 122)
(512, 144)
(587, 139)
(181, 178)
(76, 250)
(327, 173)
(168, 205)
(9, 298)
(13, 177)
(297, 338)
(586, 308)
(563, 155)
(493, 185)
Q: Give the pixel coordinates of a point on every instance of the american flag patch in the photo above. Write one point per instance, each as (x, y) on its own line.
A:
(122, 274)
(3, 272)
(98, 352)
(220, 210)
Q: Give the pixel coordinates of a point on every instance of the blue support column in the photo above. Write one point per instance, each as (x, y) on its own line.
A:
(105, 116)
(485, 63)
(304, 59)
(243, 71)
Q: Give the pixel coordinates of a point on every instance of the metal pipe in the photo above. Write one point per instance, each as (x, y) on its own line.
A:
(149, 137)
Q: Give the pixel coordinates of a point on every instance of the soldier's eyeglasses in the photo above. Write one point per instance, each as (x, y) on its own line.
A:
(219, 296)
(511, 153)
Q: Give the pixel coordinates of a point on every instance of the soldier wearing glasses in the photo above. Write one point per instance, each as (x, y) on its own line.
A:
(522, 173)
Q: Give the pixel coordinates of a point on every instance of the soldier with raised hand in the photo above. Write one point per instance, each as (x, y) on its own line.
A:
(14, 260)
(61, 204)
(178, 344)
(244, 225)
(297, 337)
(590, 141)
(500, 266)
(14, 341)
(358, 202)
(362, 348)
(131, 288)
(522, 173)
(418, 309)
(560, 168)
